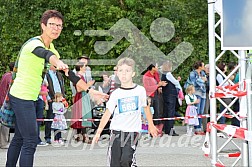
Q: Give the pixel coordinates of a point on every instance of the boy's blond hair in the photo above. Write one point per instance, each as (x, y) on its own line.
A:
(128, 61)
(189, 88)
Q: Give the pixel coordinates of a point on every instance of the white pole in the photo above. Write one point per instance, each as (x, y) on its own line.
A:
(249, 110)
(243, 102)
(212, 78)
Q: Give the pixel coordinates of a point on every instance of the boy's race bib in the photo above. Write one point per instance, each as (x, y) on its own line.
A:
(128, 104)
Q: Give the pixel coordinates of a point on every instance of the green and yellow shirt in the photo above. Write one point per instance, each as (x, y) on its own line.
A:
(28, 79)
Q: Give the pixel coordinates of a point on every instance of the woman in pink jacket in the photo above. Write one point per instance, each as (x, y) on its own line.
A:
(152, 85)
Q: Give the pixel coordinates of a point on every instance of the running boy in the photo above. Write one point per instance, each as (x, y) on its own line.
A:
(125, 104)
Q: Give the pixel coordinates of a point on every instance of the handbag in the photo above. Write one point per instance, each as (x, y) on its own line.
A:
(7, 116)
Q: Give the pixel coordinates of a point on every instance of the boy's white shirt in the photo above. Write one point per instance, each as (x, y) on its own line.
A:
(125, 106)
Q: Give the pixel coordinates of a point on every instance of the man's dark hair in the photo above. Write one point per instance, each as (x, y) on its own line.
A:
(221, 66)
(231, 65)
(79, 65)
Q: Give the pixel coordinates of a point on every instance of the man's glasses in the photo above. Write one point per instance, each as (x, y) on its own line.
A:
(54, 25)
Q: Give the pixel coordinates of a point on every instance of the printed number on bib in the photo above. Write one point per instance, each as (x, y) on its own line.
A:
(128, 104)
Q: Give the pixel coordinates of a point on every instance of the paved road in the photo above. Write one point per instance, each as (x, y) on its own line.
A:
(165, 151)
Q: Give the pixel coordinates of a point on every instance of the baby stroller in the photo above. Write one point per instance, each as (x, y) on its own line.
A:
(97, 113)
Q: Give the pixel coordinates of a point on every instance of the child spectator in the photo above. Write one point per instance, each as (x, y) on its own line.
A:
(125, 104)
(144, 119)
(198, 79)
(59, 122)
(44, 96)
(191, 110)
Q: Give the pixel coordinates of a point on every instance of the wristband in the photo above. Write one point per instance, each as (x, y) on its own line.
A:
(88, 90)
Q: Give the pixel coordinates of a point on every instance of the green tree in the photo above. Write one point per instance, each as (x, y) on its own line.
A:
(20, 20)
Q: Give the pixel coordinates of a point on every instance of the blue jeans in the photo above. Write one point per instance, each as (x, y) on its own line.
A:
(24, 142)
(200, 110)
(39, 115)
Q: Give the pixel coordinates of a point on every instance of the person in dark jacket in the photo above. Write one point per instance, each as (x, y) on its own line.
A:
(170, 95)
(55, 84)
